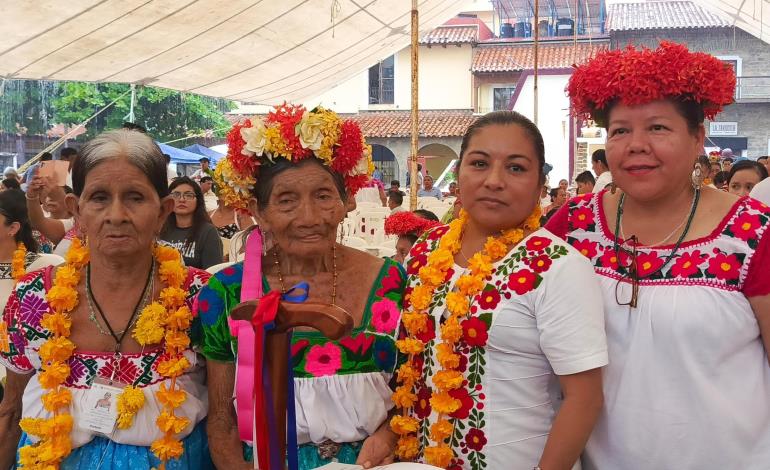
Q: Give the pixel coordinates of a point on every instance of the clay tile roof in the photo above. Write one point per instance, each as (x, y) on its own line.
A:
(452, 34)
(514, 57)
(661, 15)
(448, 123)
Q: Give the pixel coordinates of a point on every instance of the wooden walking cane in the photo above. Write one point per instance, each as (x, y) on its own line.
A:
(330, 320)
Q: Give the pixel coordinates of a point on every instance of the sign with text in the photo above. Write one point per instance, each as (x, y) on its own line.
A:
(723, 128)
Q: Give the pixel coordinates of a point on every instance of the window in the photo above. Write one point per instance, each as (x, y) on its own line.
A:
(737, 66)
(502, 98)
(381, 78)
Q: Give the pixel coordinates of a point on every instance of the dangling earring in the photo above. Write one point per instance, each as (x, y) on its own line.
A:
(697, 176)
(341, 232)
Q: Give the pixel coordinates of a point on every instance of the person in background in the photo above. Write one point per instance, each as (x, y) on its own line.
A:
(727, 162)
(54, 205)
(170, 174)
(585, 182)
(744, 175)
(716, 167)
(558, 198)
(9, 183)
(720, 180)
(452, 190)
(189, 228)
(428, 190)
(395, 185)
(395, 201)
(706, 172)
(564, 184)
(207, 185)
(545, 198)
(68, 154)
(227, 220)
(58, 231)
(377, 174)
(32, 170)
(204, 170)
(600, 168)
(764, 159)
(11, 173)
(408, 227)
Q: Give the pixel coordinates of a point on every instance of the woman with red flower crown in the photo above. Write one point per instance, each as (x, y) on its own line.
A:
(497, 314)
(683, 269)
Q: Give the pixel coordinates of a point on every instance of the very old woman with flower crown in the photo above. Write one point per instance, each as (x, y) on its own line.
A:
(102, 372)
(499, 314)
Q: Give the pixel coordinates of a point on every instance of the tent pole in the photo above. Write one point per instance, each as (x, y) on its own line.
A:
(537, 39)
(415, 129)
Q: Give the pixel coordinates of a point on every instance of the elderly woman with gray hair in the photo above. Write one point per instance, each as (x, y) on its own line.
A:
(102, 368)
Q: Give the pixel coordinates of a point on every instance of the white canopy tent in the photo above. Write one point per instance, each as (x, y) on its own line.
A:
(254, 51)
(752, 16)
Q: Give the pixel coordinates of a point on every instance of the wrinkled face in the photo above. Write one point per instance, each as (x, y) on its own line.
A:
(650, 149)
(743, 182)
(499, 177)
(184, 199)
(303, 211)
(403, 245)
(561, 197)
(119, 210)
(584, 188)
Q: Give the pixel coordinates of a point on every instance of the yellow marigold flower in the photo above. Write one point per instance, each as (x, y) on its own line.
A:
(177, 341)
(410, 346)
(170, 423)
(495, 248)
(470, 285)
(414, 322)
(431, 275)
(57, 323)
(403, 397)
(446, 380)
(77, 255)
(167, 448)
(149, 327)
(533, 221)
(56, 349)
(481, 265)
(420, 297)
(180, 319)
(457, 304)
(407, 374)
(275, 145)
(513, 236)
(447, 357)
(403, 424)
(62, 299)
(453, 245)
(166, 253)
(56, 399)
(172, 273)
(439, 456)
(67, 276)
(440, 430)
(32, 426)
(444, 403)
(408, 447)
(172, 297)
(451, 331)
(29, 456)
(53, 375)
(130, 401)
(170, 398)
(173, 367)
(61, 446)
(441, 259)
(58, 425)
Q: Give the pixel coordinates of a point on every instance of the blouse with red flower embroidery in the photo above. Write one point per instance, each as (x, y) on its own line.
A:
(538, 316)
(690, 355)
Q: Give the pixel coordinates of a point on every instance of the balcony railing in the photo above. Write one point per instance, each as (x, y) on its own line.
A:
(753, 89)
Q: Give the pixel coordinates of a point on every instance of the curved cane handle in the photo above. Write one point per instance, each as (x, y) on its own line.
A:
(331, 320)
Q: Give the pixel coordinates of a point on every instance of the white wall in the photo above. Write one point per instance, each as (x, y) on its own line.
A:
(445, 80)
(553, 120)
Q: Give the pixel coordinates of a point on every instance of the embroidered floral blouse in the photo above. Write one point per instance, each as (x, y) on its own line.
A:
(538, 316)
(688, 381)
(342, 388)
(26, 307)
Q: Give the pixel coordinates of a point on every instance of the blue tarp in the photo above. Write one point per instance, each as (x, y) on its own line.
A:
(179, 155)
(212, 155)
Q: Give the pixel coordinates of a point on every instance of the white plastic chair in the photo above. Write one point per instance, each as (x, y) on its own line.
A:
(355, 242)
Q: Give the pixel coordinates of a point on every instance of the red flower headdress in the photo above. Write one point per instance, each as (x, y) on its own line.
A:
(406, 223)
(638, 76)
(294, 133)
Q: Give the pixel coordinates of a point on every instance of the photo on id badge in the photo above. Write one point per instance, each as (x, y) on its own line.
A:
(100, 413)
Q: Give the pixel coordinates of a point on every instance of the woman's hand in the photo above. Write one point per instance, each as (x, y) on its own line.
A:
(378, 449)
(36, 187)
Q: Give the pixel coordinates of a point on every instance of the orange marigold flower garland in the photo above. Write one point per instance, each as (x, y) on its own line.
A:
(448, 378)
(17, 272)
(168, 320)
(54, 443)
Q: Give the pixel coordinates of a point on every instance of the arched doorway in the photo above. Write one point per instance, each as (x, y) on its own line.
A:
(386, 161)
(437, 158)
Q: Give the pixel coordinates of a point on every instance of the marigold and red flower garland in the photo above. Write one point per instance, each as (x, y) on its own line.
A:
(168, 320)
(293, 133)
(415, 321)
(637, 76)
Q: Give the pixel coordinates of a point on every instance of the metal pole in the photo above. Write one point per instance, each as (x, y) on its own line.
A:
(415, 129)
(537, 38)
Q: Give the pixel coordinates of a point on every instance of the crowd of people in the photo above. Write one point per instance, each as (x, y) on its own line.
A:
(623, 323)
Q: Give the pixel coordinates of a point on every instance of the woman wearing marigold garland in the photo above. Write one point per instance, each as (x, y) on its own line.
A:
(683, 269)
(499, 313)
(306, 167)
(117, 310)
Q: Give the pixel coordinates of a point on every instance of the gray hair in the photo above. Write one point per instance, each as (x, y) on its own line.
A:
(137, 147)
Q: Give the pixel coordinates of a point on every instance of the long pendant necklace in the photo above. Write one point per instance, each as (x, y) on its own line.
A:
(334, 272)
